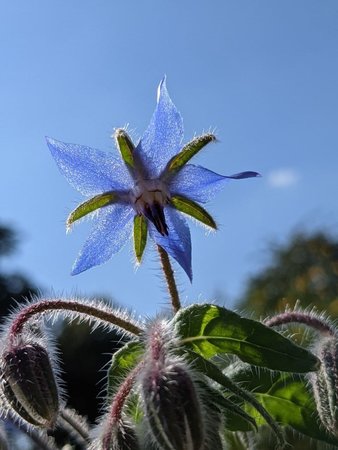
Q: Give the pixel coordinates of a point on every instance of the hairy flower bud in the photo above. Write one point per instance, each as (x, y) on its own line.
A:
(29, 386)
(325, 385)
(172, 407)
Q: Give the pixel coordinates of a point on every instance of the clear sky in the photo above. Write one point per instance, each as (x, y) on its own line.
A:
(263, 73)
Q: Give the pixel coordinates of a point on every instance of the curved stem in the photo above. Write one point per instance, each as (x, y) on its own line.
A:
(169, 277)
(305, 318)
(76, 425)
(43, 441)
(43, 306)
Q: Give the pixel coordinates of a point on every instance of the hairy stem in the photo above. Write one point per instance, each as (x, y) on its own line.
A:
(115, 413)
(44, 306)
(169, 277)
(76, 425)
(43, 441)
(305, 318)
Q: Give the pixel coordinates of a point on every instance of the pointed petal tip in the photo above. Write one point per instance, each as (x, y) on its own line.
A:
(49, 140)
(78, 268)
(243, 175)
(162, 86)
(190, 276)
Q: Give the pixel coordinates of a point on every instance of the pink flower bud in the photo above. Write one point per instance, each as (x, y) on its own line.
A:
(173, 407)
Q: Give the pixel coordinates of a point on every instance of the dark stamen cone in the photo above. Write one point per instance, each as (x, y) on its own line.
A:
(155, 214)
(173, 408)
(29, 385)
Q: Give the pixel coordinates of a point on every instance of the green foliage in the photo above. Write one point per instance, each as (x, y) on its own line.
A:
(286, 397)
(304, 269)
(123, 361)
(210, 330)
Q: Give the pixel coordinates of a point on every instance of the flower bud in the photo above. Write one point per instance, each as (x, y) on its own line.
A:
(29, 385)
(173, 408)
(325, 385)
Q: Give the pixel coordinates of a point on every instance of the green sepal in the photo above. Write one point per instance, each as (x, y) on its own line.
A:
(212, 330)
(91, 205)
(140, 236)
(126, 146)
(188, 151)
(193, 209)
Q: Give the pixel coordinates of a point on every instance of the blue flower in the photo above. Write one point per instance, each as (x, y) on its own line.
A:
(144, 192)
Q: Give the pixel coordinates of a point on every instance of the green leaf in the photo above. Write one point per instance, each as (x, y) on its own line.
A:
(123, 361)
(210, 330)
(188, 151)
(140, 236)
(213, 372)
(286, 398)
(126, 146)
(213, 398)
(91, 205)
(134, 408)
(194, 210)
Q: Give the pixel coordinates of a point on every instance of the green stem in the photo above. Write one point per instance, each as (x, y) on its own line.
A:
(169, 277)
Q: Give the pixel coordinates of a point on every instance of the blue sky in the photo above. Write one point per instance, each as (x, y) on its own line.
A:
(263, 74)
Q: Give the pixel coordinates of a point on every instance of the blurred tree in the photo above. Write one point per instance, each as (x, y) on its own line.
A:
(14, 287)
(305, 269)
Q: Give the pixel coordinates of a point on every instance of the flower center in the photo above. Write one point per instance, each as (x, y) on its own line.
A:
(149, 198)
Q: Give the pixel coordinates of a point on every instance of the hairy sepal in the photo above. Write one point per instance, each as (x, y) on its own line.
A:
(140, 236)
(193, 210)
(89, 206)
(188, 151)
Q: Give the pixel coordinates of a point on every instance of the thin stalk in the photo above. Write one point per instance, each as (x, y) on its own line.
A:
(170, 280)
(44, 306)
(76, 425)
(115, 413)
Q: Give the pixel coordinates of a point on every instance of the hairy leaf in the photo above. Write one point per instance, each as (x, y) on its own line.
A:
(123, 361)
(210, 330)
(287, 399)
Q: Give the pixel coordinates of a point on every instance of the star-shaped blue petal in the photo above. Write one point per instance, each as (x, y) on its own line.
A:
(151, 181)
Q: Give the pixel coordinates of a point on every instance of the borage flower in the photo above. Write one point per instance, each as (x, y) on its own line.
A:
(147, 192)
